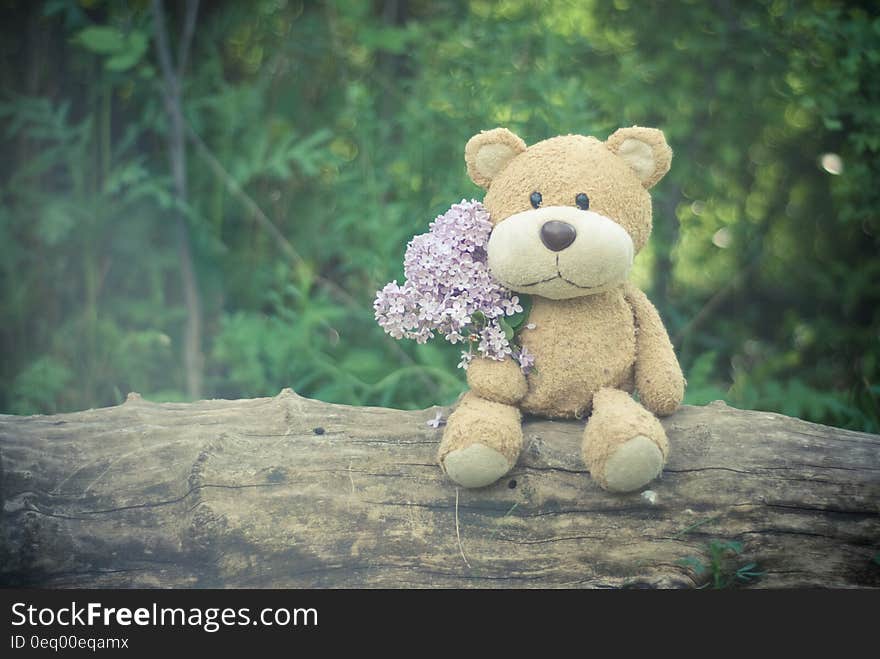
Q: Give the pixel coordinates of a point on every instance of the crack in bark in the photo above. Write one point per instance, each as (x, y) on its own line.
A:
(84, 514)
(552, 540)
(835, 511)
(812, 534)
(565, 470)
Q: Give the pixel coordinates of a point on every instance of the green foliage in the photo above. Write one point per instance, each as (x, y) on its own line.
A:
(343, 125)
(123, 51)
(724, 568)
(703, 385)
(121, 48)
(39, 386)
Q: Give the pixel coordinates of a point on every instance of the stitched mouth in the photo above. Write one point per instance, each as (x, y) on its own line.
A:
(559, 275)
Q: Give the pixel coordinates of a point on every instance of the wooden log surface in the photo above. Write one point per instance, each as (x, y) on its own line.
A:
(292, 492)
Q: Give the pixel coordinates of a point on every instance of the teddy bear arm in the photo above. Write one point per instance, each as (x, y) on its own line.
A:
(658, 376)
(498, 381)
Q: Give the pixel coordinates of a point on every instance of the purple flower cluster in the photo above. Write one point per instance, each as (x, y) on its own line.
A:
(449, 289)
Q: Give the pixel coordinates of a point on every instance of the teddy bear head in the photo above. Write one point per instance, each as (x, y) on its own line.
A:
(569, 213)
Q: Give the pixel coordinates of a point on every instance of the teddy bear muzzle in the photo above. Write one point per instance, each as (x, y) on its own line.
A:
(560, 252)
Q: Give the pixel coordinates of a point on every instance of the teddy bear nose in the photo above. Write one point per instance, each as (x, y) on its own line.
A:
(557, 235)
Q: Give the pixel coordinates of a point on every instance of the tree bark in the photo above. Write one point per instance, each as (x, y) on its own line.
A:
(292, 492)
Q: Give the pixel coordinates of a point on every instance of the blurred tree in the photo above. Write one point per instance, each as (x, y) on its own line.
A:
(172, 75)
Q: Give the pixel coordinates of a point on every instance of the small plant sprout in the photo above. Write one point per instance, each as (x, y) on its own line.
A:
(722, 567)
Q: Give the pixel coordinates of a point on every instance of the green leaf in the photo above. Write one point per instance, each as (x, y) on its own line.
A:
(832, 124)
(508, 330)
(136, 46)
(749, 572)
(122, 62)
(517, 320)
(101, 39)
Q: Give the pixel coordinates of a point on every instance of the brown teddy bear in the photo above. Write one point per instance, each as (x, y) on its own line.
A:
(568, 216)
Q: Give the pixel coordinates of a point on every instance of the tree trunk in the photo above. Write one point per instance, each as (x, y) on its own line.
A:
(193, 359)
(292, 492)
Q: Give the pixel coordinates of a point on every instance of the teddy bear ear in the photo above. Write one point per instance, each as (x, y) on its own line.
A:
(645, 150)
(489, 152)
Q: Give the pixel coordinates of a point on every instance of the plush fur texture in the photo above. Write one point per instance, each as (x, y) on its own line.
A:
(645, 150)
(485, 424)
(596, 338)
(489, 152)
(616, 419)
(499, 382)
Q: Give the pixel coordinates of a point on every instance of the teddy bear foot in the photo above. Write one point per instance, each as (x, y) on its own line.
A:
(481, 442)
(475, 466)
(632, 466)
(625, 447)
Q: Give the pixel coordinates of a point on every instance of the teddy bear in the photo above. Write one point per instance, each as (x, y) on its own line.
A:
(569, 214)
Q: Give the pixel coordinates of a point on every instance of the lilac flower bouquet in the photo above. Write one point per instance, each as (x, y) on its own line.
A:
(450, 291)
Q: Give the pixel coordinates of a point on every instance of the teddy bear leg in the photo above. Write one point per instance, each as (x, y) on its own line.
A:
(481, 442)
(625, 446)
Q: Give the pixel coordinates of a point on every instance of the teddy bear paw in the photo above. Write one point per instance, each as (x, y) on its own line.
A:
(633, 465)
(476, 465)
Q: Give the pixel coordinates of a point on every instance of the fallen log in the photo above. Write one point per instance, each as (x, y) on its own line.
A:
(292, 492)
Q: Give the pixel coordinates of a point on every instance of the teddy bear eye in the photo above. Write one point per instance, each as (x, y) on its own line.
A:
(582, 201)
(535, 198)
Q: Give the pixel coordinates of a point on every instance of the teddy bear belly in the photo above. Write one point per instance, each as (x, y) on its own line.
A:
(580, 346)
